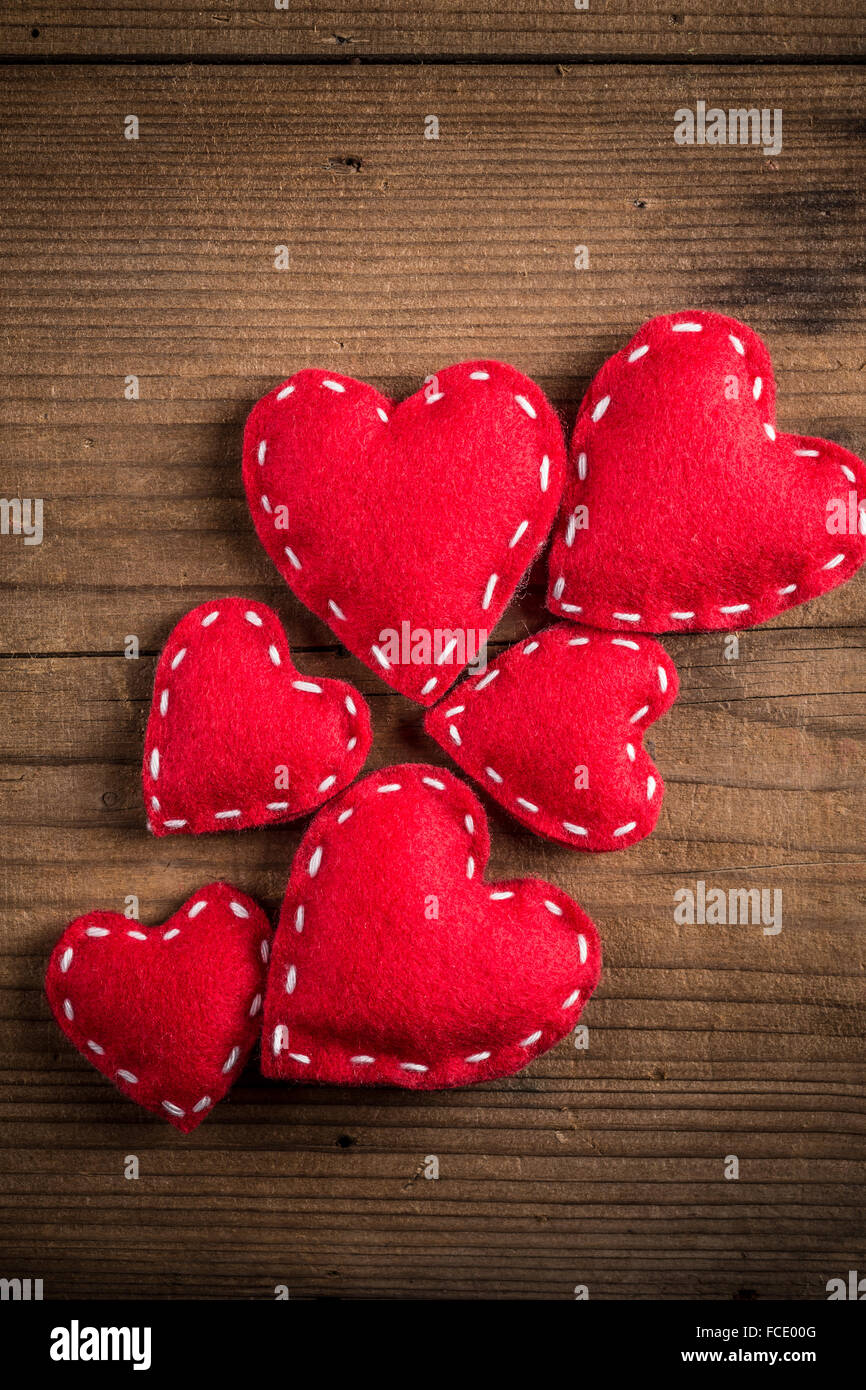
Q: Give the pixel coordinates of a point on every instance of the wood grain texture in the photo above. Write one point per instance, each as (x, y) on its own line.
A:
(155, 258)
(304, 29)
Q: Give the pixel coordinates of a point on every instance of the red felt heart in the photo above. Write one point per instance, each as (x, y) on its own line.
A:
(237, 736)
(406, 528)
(684, 507)
(553, 731)
(168, 1013)
(396, 964)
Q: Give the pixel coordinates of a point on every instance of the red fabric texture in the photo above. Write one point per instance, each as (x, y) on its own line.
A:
(396, 964)
(416, 519)
(553, 731)
(700, 514)
(237, 736)
(169, 1013)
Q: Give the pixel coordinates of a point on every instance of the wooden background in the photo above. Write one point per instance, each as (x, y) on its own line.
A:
(155, 258)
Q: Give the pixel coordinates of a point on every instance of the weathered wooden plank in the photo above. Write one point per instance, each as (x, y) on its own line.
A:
(441, 28)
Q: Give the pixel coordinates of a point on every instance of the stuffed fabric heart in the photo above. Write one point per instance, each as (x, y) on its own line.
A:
(396, 964)
(685, 508)
(553, 731)
(170, 1013)
(237, 736)
(405, 527)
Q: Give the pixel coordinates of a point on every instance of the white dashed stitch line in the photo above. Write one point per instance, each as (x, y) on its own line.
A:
(629, 748)
(831, 564)
(178, 658)
(578, 642)
(434, 783)
(197, 907)
(627, 617)
(638, 353)
(682, 617)
(277, 806)
(344, 815)
(479, 376)
(238, 909)
(429, 685)
(163, 702)
(286, 391)
(175, 824)
(173, 1109)
(154, 803)
(264, 950)
(769, 431)
(687, 327)
(300, 1057)
(488, 592)
(624, 642)
(574, 829)
(127, 1076)
(478, 1057)
(526, 407)
(807, 453)
(362, 1060)
(201, 1105)
(389, 787)
(572, 998)
(639, 714)
(263, 450)
(470, 824)
(553, 907)
(493, 774)
(788, 589)
(299, 917)
(738, 346)
(97, 931)
(68, 1009)
(382, 414)
(231, 1060)
(581, 467)
(66, 959)
(455, 709)
(757, 388)
(849, 473)
(581, 949)
(170, 935)
(527, 805)
(266, 504)
(433, 397)
(470, 867)
(333, 386)
(624, 829)
(455, 734)
(600, 409)
(291, 979)
(650, 788)
(94, 1047)
(326, 783)
(274, 654)
(486, 680)
(517, 534)
(227, 815)
(544, 473)
(210, 618)
(559, 587)
(336, 610)
(253, 618)
(293, 559)
(381, 657)
(446, 651)
(501, 895)
(529, 648)
(533, 1038)
(413, 1066)
(663, 678)
(137, 935)
(734, 608)
(570, 531)
(315, 862)
(309, 686)
(154, 763)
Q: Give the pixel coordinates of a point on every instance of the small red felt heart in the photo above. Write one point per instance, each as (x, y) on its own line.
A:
(396, 964)
(168, 1013)
(406, 528)
(685, 508)
(553, 731)
(237, 736)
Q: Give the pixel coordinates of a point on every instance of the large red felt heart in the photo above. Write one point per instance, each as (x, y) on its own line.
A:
(237, 736)
(396, 964)
(553, 731)
(685, 508)
(168, 1013)
(405, 527)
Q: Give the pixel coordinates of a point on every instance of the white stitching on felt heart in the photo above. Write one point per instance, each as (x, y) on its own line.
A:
(155, 935)
(683, 615)
(635, 718)
(280, 1035)
(255, 620)
(431, 397)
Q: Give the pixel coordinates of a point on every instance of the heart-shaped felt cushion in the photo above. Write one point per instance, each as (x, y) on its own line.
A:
(237, 736)
(685, 508)
(405, 527)
(395, 963)
(169, 1013)
(553, 731)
